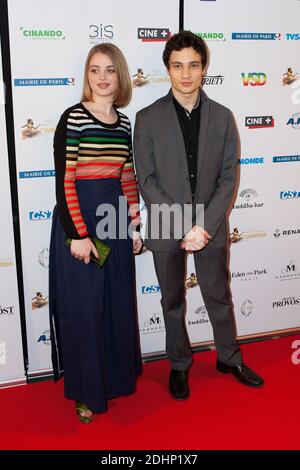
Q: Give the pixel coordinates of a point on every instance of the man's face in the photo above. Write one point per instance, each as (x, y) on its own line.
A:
(185, 70)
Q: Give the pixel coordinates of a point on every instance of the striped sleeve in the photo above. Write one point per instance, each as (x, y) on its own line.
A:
(129, 185)
(66, 144)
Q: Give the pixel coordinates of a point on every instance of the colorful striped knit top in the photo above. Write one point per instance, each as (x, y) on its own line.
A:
(86, 148)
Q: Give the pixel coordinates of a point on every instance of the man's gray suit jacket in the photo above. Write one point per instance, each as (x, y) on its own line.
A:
(162, 169)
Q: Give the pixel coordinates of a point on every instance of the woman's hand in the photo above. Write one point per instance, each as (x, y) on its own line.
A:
(81, 249)
(137, 242)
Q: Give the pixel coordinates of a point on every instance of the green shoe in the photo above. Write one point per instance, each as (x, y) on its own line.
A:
(80, 409)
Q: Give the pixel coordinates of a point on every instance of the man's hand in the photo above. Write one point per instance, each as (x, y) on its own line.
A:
(137, 242)
(196, 239)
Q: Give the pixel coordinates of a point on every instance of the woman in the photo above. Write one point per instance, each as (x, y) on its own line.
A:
(92, 310)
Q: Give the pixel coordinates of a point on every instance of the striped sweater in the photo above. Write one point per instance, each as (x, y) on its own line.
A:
(85, 148)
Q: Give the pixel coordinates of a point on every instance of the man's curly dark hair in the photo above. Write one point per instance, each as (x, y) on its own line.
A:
(182, 40)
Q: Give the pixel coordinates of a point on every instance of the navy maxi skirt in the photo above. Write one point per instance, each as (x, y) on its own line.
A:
(93, 322)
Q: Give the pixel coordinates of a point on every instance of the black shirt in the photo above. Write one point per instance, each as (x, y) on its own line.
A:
(190, 125)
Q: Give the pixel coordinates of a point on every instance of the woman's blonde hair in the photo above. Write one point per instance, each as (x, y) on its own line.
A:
(124, 92)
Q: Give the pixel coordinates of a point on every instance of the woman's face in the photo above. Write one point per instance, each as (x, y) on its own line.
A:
(102, 77)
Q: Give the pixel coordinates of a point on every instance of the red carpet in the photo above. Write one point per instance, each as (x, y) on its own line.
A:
(220, 414)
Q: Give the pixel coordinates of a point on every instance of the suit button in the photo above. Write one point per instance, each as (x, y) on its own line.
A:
(192, 176)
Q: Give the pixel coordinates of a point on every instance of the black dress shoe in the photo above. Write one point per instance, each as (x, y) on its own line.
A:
(243, 374)
(178, 384)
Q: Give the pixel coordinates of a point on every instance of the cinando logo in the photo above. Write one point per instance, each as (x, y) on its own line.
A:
(42, 33)
(210, 36)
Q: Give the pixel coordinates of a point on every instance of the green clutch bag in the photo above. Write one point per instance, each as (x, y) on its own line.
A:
(102, 249)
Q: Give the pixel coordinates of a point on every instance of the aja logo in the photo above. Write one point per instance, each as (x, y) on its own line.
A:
(254, 79)
(294, 121)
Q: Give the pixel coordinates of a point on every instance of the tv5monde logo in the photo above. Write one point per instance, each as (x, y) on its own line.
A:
(254, 78)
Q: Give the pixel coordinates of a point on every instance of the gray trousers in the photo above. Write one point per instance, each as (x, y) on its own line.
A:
(213, 276)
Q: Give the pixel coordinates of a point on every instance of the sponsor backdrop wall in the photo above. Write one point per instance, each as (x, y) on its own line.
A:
(252, 46)
(250, 54)
(11, 353)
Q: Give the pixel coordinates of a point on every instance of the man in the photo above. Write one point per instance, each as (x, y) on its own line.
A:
(186, 154)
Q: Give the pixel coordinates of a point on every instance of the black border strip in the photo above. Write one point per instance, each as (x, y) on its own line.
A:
(181, 15)
(6, 70)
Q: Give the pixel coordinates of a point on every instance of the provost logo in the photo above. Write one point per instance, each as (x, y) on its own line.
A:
(254, 78)
(154, 34)
(286, 302)
(256, 36)
(212, 36)
(294, 121)
(258, 122)
(42, 33)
